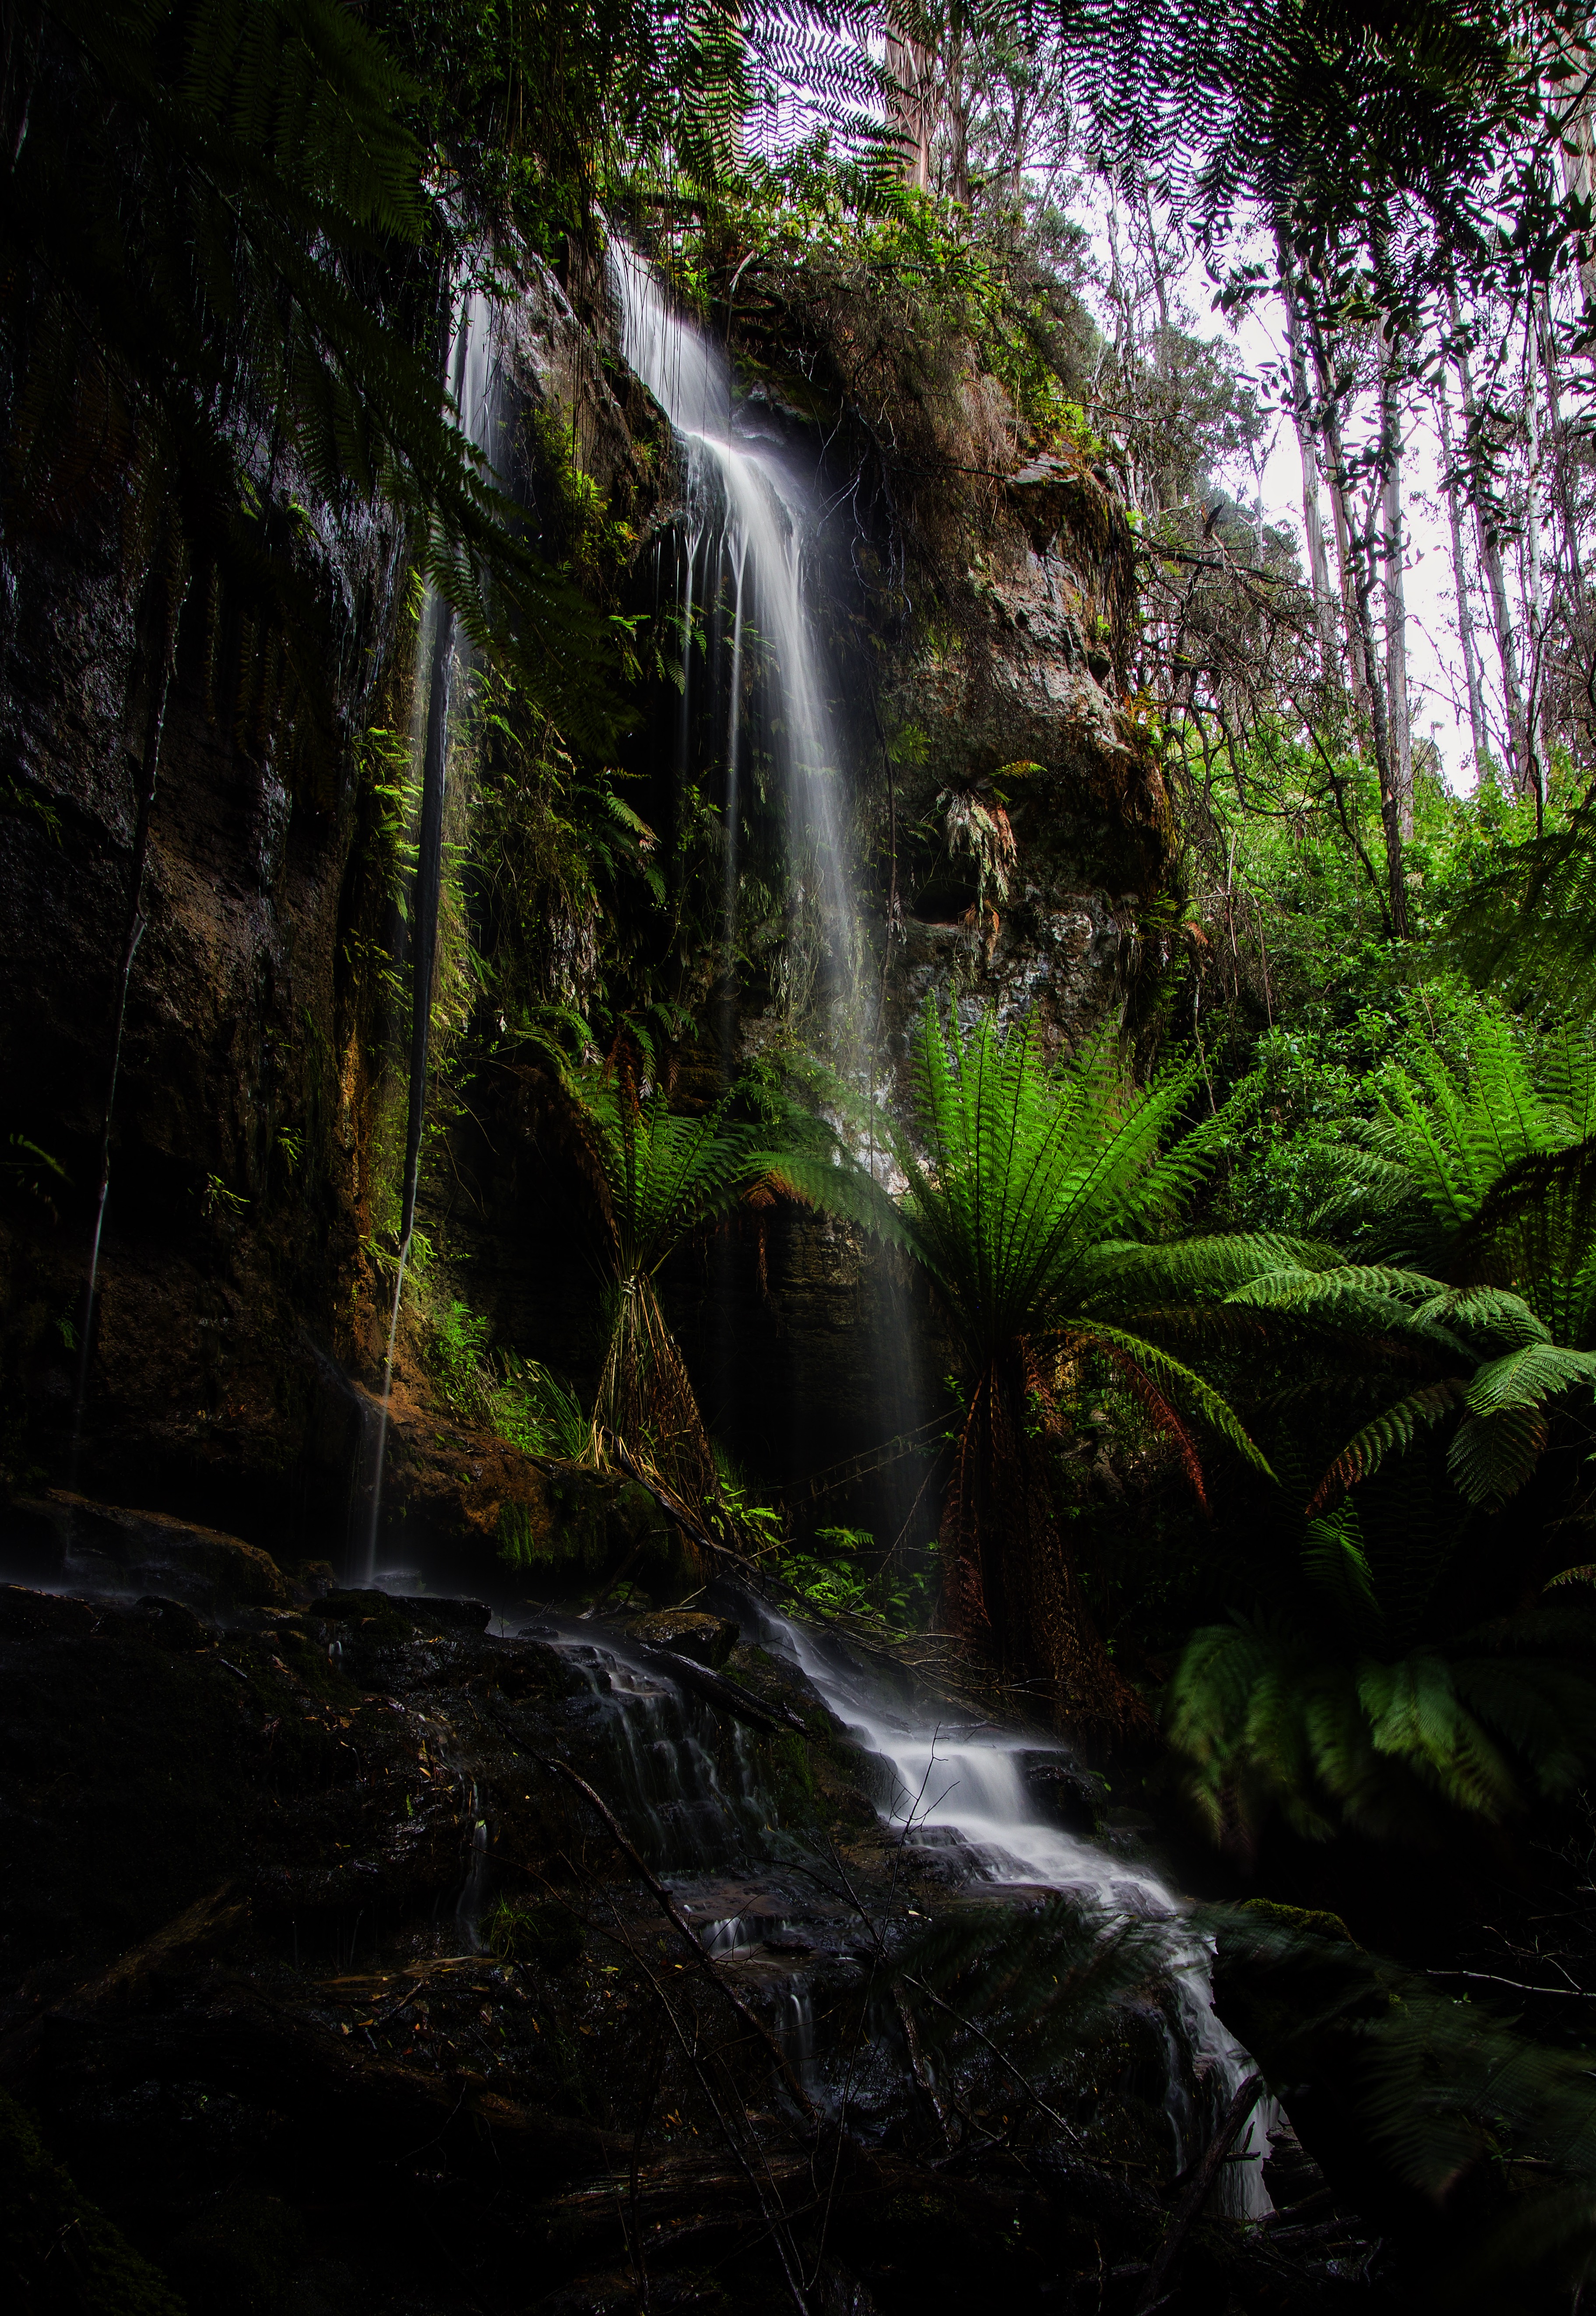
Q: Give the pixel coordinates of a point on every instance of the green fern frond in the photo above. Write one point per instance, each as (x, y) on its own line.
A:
(1389, 1433)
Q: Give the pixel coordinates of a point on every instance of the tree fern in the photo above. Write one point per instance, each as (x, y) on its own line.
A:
(660, 1178)
(1033, 1201)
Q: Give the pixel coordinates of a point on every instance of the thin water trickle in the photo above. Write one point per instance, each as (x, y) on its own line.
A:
(473, 385)
(366, 1572)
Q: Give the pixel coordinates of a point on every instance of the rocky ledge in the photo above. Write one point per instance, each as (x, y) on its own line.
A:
(361, 1957)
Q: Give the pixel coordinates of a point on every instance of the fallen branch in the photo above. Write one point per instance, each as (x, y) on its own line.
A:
(1191, 2203)
(199, 1929)
(730, 1694)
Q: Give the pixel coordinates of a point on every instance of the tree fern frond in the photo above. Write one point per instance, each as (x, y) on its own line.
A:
(1389, 1433)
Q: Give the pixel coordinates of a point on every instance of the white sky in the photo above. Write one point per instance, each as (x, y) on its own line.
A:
(1437, 690)
(1438, 694)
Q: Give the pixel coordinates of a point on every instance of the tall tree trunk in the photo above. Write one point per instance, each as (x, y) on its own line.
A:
(1396, 603)
(1562, 488)
(912, 105)
(1365, 554)
(1490, 551)
(1578, 147)
(1307, 445)
(1359, 550)
(1337, 482)
(1535, 705)
(956, 113)
(1485, 771)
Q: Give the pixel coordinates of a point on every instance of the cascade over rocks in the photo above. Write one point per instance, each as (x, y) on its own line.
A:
(342, 1952)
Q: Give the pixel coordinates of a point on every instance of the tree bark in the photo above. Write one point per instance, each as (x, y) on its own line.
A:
(912, 105)
(1490, 552)
(1307, 447)
(1479, 732)
(1395, 596)
(1345, 558)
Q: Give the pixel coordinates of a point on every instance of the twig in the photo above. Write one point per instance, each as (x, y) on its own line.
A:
(1519, 1986)
(1002, 2057)
(685, 1931)
(917, 2063)
(1191, 2203)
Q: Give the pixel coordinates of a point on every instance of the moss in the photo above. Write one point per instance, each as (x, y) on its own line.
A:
(1313, 1921)
(65, 2254)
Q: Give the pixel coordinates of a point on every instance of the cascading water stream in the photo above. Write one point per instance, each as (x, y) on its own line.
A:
(472, 384)
(751, 507)
(962, 1788)
(956, 1788)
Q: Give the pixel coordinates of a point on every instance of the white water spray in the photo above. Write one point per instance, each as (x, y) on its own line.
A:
(755, 509)
(960, 1788)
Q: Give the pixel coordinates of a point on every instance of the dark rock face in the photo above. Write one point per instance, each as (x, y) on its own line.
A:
(139, 1552)
(231, 1209)
(240, 1325)
(687, 1633)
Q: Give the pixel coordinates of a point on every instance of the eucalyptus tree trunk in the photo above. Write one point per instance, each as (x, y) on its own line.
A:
(1337, 482)
(1562, 488)
(1490, 552)
(1359, 550)
(1365, 554)
(1534, 707)
(1578, 147)
(1401, 741)
(1479, 731)
(1307, 447)
(1402, 729)
(911, 103)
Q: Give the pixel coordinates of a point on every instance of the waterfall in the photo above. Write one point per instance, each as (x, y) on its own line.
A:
(956, 1788)
(960, 1789)
(754, 514)
(473, 385)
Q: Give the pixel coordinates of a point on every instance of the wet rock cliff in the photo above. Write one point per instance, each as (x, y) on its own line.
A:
(202, 883)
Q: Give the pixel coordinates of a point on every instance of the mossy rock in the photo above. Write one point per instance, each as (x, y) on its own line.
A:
(237, 2260)
(65, 2254)
(1312, 1921)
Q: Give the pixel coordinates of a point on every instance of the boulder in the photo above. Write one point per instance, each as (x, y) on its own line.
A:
(687, 1633)
(113, 1548)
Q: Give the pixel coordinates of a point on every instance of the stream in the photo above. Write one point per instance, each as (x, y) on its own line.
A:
(953, 1787)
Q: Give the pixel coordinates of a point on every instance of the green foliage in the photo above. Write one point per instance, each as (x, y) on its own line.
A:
(836, 1579)
(540, 1931)
(1035, 1206)
(1441, 2092)
(220, 219)
(1034, 1199)
(1471, 1170)
(660, 1177)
